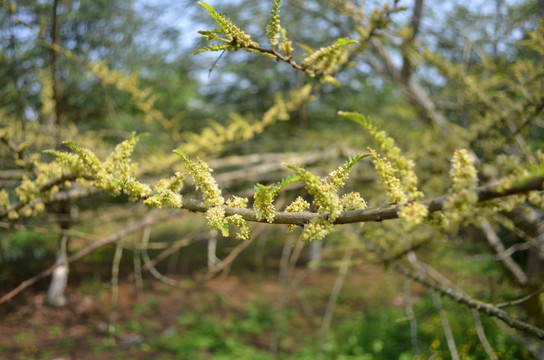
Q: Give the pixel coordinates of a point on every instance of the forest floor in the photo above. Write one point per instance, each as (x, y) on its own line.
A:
(237, 316)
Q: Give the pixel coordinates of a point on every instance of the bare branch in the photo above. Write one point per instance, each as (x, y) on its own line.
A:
(508, 263)
(413, 92)
(462, 298)
(481, 335)
(333, 298)
(448, 333)
(414, 25)
(521, 300)
(87, 250)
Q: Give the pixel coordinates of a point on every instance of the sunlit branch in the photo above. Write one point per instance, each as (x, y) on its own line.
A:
(485, 193)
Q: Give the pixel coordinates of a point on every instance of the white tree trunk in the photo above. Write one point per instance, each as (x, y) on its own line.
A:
(59, 280)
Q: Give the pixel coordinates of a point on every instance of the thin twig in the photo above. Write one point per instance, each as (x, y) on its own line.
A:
(333, 298)
(521, 300)
(409, 309)
(52, 230)
(115, 284)
(223, 264)
(137, 264)
(283, 282)
(481, 335)
(508, 263)
(185, 241)
(156, 273)
(212, 247)
(445, 325)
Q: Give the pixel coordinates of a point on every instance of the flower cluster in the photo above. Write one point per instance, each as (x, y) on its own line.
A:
(462, 171)
(297, 206)
(326, 59)
(234, 36)
(464, 180)
(402, 168)
(413, 214)
(87, 162)
(273, 27)
(213, 138)
(386, 172)
(286, 45)
(337, 177)
(114, 176)
(215, 214)
(216, 219)
(243, 228)
(326, 199)
(317, 229)
(116, 173)
(130, 84)
(4, 199)
(166, 192)
(263, 204)
(352, 201)
(201, 172)
(264, 197)
(237, 202)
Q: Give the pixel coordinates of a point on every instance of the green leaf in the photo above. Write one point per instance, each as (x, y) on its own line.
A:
(352, 160)
(285, 182)
(206, 6)
(213, 48)
(345, 41)
(180, 154)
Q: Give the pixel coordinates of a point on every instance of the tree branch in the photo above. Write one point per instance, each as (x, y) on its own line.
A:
(85, 251)
(508, 263)
(414, 25)
(462, 298)
(55, 182)
(484, 193)
(413, 92)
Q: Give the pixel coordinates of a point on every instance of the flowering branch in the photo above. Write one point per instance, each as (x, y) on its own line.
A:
(379, 214)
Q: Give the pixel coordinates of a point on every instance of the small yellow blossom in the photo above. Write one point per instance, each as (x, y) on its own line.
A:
(317, 229)
(386, 172)
(216, 219)
(242, 225)
(263, 205)
(462, 172)
(413, 213)
(4, 199)
(353, 201)
(296, 206)
(237, 202)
